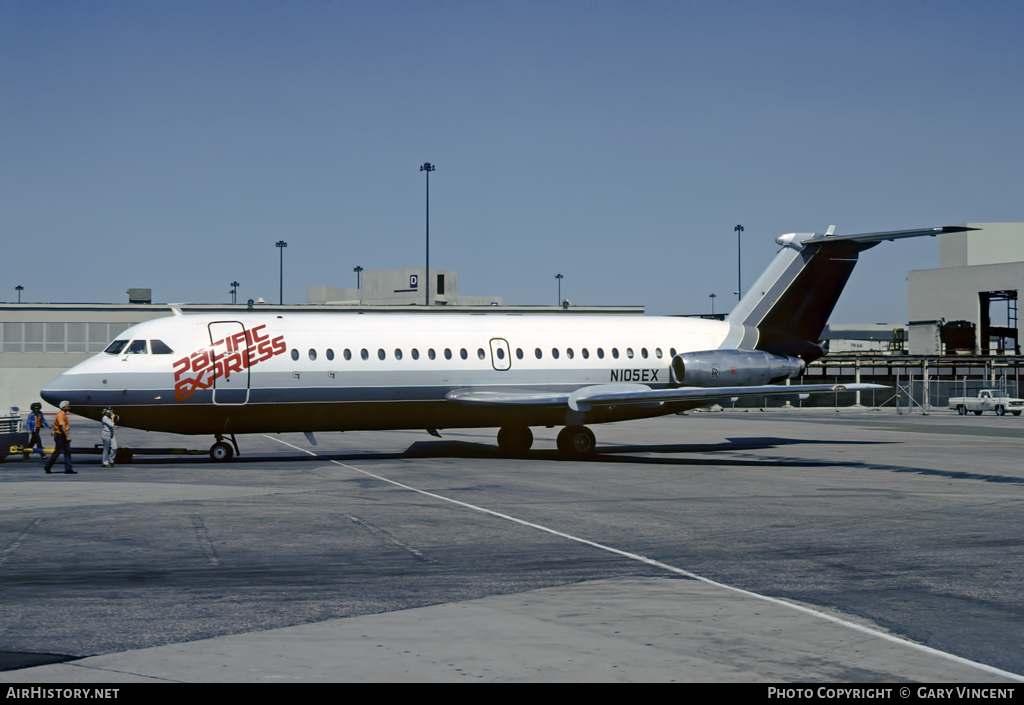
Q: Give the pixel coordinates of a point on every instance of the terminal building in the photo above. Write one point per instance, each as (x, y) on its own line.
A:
(400, 287)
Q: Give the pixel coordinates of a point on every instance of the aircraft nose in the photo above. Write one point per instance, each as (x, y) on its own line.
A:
(57, 390)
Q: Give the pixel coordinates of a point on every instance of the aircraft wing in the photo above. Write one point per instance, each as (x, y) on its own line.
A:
(586, 398)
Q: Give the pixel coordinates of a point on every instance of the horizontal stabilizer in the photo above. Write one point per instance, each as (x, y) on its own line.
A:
(882, 237)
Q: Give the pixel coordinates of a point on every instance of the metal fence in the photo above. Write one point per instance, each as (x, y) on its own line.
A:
(937, 393)
(906, 392)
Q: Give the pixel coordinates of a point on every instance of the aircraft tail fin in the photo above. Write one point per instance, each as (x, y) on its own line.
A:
(786, 309)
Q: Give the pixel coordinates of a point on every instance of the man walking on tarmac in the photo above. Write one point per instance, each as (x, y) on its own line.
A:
(35, 423)
(61, 439)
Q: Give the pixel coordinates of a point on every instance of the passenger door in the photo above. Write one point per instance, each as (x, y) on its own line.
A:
(229, 346)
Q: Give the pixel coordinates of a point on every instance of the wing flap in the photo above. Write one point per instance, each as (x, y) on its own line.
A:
(587, 398)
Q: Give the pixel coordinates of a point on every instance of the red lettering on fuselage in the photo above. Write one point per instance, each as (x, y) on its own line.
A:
(237, 355)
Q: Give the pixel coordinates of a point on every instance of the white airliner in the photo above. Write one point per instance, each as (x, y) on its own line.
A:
(227, 374)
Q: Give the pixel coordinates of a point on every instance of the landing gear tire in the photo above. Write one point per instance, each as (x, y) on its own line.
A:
(576, 442)
(221, 452)
(515, 441)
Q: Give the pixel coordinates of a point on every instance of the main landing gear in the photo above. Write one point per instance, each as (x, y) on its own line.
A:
(222, 451)
(515, 441)
(574, 442)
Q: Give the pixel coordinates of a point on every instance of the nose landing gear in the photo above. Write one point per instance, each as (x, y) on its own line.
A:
(222, 451)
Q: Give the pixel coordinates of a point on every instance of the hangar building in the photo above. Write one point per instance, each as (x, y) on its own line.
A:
(968, 305)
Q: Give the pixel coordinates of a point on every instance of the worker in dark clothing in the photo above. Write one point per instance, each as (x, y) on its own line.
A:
(62, 440)
(34, 424)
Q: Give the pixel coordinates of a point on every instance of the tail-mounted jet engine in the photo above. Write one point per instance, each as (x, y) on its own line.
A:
(733, 368)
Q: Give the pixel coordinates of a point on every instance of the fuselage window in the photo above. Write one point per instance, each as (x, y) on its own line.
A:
(554, 353)
(600, 353)
(330, 354)
(398, 354)
(431, 354)
(672, 352)
(159, 347)
(347, 354)
(501, 354)
(569, 353)
(657, 353)
(519, 353)
(538, 353)
(585, 353)
(295, 354)
(312, 354)
(138, 347)
(116, 347)
(615, 353)
(447, 353)
(480, 353)
(629, 353)
(415, 354)
(643, 353)
(381, 354)
(463, 354)
(365, 354)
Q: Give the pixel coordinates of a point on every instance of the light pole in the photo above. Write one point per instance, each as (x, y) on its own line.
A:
(234, 292)
(281, 244)
(739, 264)
(19, 289)
(357, 270)
(428, 167)
(712, 297)
(559, 277)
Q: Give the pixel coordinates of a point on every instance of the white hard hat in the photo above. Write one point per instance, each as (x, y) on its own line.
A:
(65, 404)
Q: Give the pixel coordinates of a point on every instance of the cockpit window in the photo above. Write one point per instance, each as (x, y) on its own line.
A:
(116, 347)
(137, 347)
(159, 347)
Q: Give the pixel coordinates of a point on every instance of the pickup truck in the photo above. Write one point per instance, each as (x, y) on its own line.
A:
(987, 400)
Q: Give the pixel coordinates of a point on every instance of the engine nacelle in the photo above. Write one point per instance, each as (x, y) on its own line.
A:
(733, 368)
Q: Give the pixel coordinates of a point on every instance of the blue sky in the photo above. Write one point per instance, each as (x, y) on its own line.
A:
(169, 145)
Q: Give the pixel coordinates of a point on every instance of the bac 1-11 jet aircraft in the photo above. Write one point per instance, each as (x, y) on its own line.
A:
(227, 374)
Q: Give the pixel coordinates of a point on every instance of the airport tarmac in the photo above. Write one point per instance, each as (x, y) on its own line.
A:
(791, 545)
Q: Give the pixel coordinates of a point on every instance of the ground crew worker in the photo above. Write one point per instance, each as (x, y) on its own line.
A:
(34, 424)
(109, 421)
(62, 439)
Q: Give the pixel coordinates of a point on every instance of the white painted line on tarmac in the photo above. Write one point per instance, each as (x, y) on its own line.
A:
(673, 569)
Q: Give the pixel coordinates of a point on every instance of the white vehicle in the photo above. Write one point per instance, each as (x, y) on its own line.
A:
(11, 433)
(987, 400)
(266, 373)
